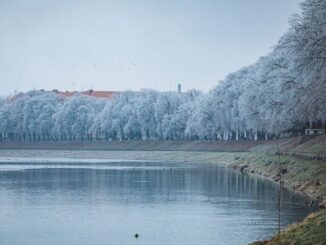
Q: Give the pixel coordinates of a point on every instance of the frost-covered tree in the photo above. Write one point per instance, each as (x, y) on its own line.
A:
(75, 118)
(282, 92)
(305, 44)
(5, 128)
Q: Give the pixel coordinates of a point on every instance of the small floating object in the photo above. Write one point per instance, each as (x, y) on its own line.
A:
(136, 235)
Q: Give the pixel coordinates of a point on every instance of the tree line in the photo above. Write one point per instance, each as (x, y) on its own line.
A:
(282, 92)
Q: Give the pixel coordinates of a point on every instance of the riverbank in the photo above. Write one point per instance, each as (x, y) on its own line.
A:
(304, 168)
(310, 231)
(221, 146)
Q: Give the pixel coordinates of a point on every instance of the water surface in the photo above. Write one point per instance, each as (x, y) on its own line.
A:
(164, 203)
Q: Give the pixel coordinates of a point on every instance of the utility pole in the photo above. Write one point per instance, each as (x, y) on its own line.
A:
(279, 200)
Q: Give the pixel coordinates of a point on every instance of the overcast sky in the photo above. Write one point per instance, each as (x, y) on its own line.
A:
(125, 44)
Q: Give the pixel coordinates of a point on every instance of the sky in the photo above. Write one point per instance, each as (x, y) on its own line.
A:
(129, 45)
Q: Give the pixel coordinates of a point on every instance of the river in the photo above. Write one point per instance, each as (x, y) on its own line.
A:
(164, 203)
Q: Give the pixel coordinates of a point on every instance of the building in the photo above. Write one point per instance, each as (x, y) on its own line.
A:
(91, 92)
(315, 131)
(97, 94)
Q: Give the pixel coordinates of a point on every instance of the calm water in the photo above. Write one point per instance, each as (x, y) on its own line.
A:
(163, 203)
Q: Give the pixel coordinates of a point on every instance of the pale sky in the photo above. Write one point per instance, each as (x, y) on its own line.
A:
(125, 44)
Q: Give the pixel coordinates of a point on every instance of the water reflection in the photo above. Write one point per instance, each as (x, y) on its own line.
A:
(164, 203)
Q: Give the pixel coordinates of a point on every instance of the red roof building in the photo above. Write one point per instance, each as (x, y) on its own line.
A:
(98, 94)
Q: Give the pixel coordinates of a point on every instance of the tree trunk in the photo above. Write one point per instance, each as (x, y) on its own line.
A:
(255, 136)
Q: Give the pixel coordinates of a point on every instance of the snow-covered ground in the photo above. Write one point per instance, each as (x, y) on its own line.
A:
(26, 166)
(55, 160)
(10, 159)
(22, 163)
(22, 160)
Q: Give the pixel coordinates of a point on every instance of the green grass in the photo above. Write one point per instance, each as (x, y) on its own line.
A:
(312, 231)
(304, 175)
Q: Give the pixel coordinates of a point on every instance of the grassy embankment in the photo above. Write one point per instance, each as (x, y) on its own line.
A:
(303, 161)
(310, 231)
(304, 173)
